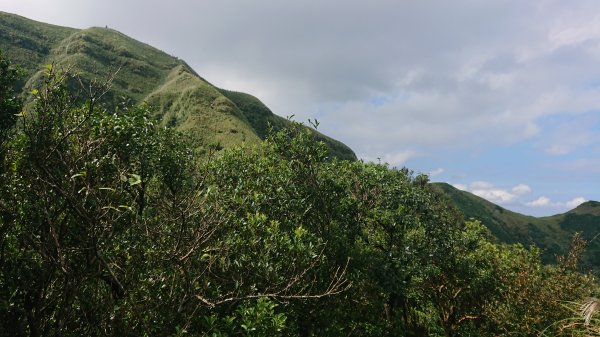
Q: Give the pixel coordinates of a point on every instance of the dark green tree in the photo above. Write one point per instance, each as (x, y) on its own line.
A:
(10, 106)
(115, 229)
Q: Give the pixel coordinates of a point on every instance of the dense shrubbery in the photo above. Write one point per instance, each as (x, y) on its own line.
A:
(111, 225)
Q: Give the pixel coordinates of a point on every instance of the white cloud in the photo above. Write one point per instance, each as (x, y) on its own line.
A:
(461, 187)
(515, 198)
(521, 189)
(539, 202)
(497, 195)
(574, 33)
(575, 202)
(546, 202)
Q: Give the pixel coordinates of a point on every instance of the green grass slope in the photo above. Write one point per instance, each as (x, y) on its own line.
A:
(196, 107)
(216, 118)
(28, 42)
(552, 234)
(260, 118)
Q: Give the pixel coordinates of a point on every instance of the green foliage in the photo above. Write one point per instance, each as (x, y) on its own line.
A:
(112, 224)
(113, 228)
(252, 318)
(71, 212)
(10, 104)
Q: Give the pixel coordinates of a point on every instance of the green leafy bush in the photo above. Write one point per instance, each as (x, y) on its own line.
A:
(113, 225)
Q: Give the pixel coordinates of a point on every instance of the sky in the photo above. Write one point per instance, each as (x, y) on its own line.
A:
(498, 97)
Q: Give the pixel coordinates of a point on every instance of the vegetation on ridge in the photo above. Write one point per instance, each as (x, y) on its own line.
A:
(551, 234)
(219, 118)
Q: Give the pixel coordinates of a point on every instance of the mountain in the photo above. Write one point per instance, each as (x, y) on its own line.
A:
(215, 117)
(552, 234)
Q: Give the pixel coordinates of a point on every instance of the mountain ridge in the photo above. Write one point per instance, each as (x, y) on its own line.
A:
(552, 234)
(181, 98)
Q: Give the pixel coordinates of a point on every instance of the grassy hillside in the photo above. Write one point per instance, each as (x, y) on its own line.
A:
(29, 42)
(215, 117)
(552, 234)
(260, 117)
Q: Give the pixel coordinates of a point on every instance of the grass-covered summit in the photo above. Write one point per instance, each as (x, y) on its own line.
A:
(215, 117)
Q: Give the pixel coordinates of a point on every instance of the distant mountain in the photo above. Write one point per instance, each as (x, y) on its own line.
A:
(217, 118)
(552, 234)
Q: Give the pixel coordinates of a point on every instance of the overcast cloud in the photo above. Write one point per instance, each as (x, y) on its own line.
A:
(439, 86)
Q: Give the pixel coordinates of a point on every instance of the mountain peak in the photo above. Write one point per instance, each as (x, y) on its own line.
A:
(588, 207)
(179, 97)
